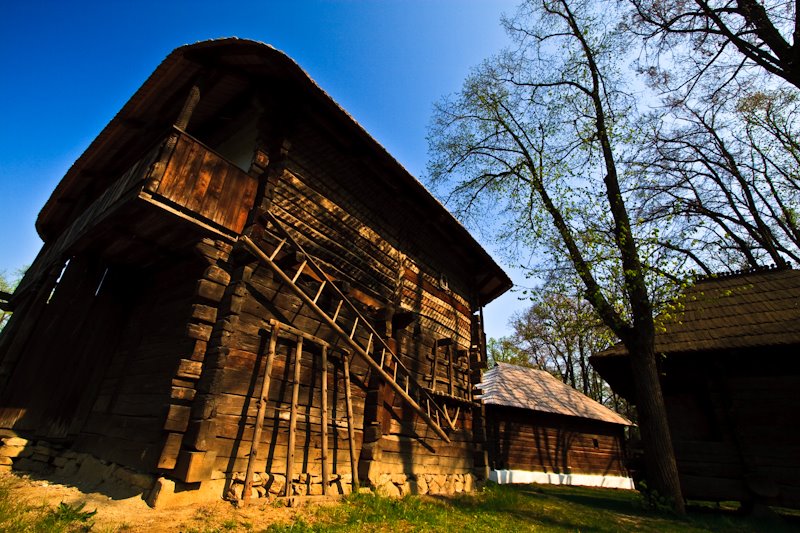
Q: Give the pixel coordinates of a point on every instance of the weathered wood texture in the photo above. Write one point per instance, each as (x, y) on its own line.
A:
(203, 183)
(171, 364)
(736, 427)
(336, 230)
(539, 442)
(149, 384)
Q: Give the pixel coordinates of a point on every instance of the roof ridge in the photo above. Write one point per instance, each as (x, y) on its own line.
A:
(772, 267)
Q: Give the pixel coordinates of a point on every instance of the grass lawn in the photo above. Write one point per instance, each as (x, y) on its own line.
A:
(496, 509)
(501, 509)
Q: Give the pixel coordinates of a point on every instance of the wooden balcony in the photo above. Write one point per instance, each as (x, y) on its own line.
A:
(201, 185)
(176, 193)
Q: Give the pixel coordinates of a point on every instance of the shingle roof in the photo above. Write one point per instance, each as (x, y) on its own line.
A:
(248, 62)
(741, 311)
(528, 388)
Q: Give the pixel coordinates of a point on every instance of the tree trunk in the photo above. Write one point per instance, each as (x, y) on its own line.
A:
(662, 469)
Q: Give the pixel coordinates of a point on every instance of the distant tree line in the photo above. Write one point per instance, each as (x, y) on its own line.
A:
(7, 286)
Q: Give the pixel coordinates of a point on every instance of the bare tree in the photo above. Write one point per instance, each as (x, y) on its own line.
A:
(717, 42)
(558, 333)
(725, 179)
(535, 137)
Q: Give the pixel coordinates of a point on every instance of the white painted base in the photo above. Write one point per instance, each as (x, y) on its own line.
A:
(584, 480)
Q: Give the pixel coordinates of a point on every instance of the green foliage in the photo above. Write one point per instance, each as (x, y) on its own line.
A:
(505, 350)
(652, 500)
(19, 517)
(8, 284)
(513, 508)
(68, 517)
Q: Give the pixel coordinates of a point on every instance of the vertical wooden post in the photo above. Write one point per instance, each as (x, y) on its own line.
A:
(324, 392)
(293, 417)
(350, 433)
(188, 107)
(262, 408)
(434, 366)
(450, 369)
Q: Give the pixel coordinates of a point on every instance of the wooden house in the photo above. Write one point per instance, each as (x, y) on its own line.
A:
(237, 282)
(540, 430)
(728, 353)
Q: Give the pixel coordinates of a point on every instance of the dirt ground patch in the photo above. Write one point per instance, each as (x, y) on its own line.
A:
(133, 514)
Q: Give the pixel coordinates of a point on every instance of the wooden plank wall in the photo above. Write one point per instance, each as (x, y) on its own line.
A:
(66, 355)
(736, 436)
(234, 371)
(377, 274)
(524, 440)
(206, 184)
(147, 388)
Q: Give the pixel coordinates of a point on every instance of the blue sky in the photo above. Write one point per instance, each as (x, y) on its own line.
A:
(67, 68)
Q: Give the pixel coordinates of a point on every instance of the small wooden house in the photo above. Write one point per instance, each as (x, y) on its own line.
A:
(236, 279)
(730, 376)
(541, 430)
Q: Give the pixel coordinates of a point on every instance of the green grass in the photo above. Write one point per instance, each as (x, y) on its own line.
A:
(16, 517)
(495, 509)
(527, 508)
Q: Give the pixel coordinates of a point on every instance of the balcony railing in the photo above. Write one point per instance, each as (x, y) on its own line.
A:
(203, 184)
(182, 177)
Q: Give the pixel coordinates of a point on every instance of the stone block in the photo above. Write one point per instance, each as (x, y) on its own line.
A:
(389, 490)
(41, 457)
(133, 478)
(6, 461)
(15, 451)
(469, 482)
(14, 441)
(42, 449)
(70, 468)
(162, 489)
(28, 465)
(94, 471)
(276, 483)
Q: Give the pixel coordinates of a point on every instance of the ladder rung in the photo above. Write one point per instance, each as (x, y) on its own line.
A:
(394, 376)
(319, 291)
(355, 325)
(277, 249)
(383, 355)
(299, 271)
(338, 308)
(408, 382)
(369, 343)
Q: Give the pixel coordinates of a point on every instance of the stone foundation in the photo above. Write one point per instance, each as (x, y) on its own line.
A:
(88, 471)
(42, 457)
(266, 485)
(399, 485)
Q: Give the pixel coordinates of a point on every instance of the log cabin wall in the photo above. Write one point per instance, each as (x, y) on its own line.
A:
(422, 306)
(177, 369)
(541, 442)
(734, 424)
(128, 343)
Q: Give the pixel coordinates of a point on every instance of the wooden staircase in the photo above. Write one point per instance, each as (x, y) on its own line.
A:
(376, 352)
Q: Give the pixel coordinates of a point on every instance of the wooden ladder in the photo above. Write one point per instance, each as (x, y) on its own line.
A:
(376, 353)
